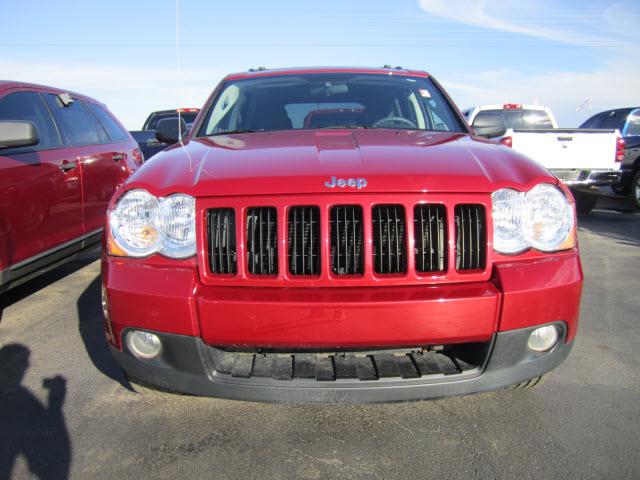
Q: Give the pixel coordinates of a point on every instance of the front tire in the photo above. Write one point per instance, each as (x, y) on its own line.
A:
(635, 190)
(620, 189)
(585, 202)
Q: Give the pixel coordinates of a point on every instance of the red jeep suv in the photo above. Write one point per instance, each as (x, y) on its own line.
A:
(338, 235)
(62, 155)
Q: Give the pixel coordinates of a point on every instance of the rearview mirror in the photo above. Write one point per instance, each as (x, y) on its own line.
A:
(15, 134)
(489, 125)
(169, 130)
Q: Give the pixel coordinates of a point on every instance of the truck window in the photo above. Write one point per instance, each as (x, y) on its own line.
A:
(114, 131)
(593, 122)
(29, 106)
(152, 122)
(330, 100)
(77, 125)
(615, 120)
(632, 129)
(522, 118)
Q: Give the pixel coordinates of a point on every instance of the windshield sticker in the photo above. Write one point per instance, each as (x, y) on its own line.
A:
(424, 93)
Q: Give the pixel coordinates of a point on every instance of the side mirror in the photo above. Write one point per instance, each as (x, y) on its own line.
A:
(489, 125)
(15, 134)
(169, 130)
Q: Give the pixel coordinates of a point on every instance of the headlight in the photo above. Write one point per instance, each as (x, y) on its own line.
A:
(177, 224)
(542, 218)
(509, 213)
(133, 223)
(141, 224)
(549, 217)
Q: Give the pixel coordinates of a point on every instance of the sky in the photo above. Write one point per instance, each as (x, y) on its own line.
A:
(577, 57)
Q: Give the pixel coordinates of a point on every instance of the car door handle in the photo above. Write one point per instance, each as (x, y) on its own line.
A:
(66, 166)
(118, 156)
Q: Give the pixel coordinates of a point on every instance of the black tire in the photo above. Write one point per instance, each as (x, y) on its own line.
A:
(620, 189)
(635, 190)
(585, 202)
(529, 384)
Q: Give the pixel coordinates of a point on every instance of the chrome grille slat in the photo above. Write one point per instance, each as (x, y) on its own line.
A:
(347, 250)
(430, 239)
(471, 241)
(304, 248)
(262, 241)
(389, 239)
(222, 241)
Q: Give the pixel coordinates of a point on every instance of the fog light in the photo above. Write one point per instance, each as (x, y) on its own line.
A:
(144, 345)
(543, 338)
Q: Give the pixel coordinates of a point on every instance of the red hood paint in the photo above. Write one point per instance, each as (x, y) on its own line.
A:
(299, 162)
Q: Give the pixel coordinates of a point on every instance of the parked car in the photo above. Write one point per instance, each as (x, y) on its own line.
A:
(147, 139)
(585, 160)
(62, 156)
(392, 256)
(627, 121)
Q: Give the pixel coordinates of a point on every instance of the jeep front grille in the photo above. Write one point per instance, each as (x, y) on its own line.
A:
(346, 239)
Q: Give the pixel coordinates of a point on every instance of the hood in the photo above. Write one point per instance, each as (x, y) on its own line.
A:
(320, 161)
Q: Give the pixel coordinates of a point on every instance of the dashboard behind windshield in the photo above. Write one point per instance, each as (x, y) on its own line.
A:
(330, 100)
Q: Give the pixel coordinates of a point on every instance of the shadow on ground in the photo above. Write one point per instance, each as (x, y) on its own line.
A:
(91, 328)
(28, 427)
(615, 218)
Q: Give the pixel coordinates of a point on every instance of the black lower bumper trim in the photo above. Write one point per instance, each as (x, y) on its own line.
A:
(185, 366)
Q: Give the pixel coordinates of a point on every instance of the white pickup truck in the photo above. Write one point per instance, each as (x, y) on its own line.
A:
(583, 159)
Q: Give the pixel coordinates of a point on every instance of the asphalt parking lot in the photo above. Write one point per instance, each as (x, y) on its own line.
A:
(75, 414)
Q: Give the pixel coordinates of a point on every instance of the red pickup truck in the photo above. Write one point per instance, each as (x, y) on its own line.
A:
(386, 254)
(62, 156)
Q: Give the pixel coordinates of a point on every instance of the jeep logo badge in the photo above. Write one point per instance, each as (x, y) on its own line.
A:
(346, 182)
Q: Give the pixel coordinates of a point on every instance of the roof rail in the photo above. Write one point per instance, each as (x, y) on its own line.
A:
(258, 69)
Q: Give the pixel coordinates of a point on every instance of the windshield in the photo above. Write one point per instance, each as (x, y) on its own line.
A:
(336, 100)
(520, 118)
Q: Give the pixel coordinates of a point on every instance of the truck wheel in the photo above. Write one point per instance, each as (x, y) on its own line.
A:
(531, 383)
(585, 202)
(620, 189)
(635, 189)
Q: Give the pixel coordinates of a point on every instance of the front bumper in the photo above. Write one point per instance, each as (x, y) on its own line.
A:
(185, 365)
(192, 319)
(587, 179)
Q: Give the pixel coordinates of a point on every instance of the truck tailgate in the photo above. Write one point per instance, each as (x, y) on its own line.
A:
(568, 148)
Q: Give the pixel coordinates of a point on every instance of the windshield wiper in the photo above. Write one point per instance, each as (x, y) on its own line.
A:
(231, 132)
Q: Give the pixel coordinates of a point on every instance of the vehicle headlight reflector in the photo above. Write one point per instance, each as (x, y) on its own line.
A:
(542, 218)
(142, 224)
(133, 223)
(177, 225)
(549, 217)
(509, 214)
